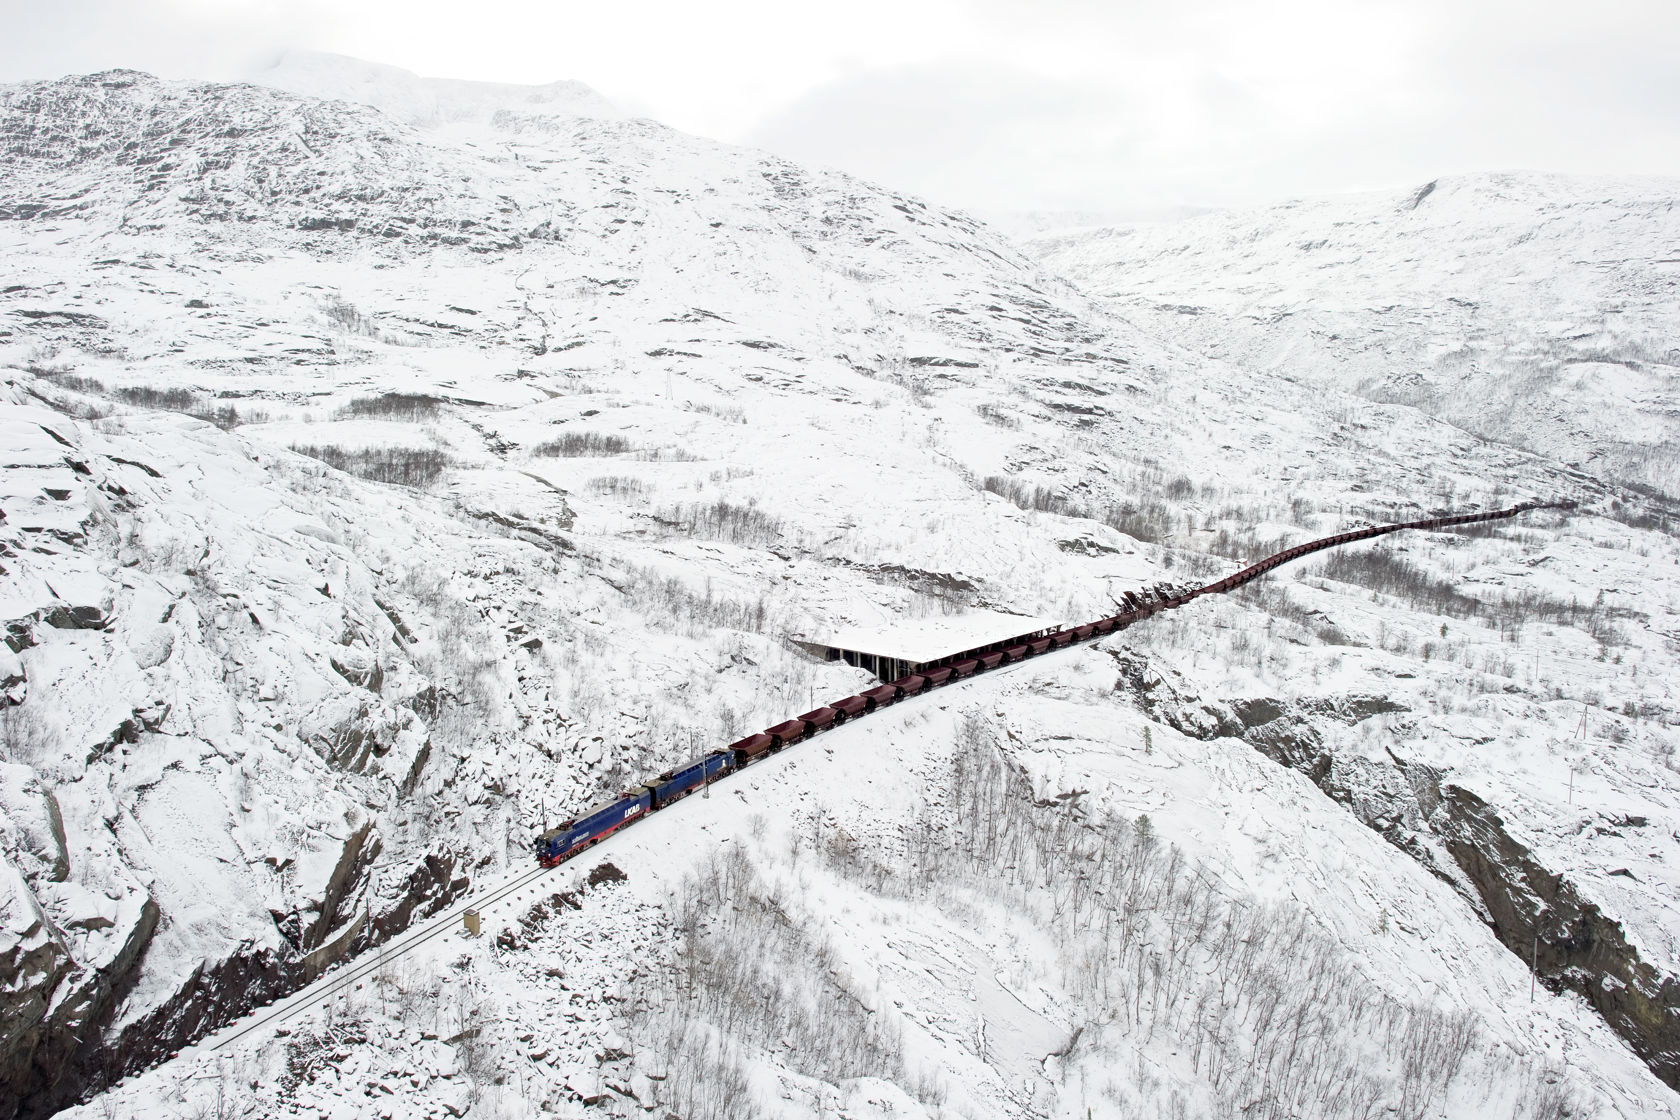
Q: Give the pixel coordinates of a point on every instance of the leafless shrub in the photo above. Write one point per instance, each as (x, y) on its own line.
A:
(148, 396)
(413, 407)
(189, 401)
(44, 367)
(1244, 545)
(1143, 521)
(77, 406)
(728, 413)
(347, 317)
(619, 486)
(65, 379)
(667, 455)
(701, 611)
(1023, 494)
(25, 735)
(750, 964)
(1391, 574)
(996, 416)
(1384, 571)
(1546, 1098)
(1276, 600)
(1181, 489)
(575, 445)
(401, 466)
(227, 416)
(1657, 512)
(723, 521)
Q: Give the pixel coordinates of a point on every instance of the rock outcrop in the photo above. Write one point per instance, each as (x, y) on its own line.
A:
(1536, 912)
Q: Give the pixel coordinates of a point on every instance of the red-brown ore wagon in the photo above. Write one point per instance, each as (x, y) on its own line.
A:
(881, 695)
(851, 707)
(820, 719)
(751, 748)
(790, 732)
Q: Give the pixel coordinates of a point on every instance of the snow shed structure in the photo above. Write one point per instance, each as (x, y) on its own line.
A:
(900, 648)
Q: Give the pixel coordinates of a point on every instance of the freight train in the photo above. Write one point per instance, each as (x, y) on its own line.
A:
(587, 829)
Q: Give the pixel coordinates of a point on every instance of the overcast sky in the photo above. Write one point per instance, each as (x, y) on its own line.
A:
(1106, 105)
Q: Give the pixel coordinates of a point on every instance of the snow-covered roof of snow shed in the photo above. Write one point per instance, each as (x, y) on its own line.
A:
(928, 639)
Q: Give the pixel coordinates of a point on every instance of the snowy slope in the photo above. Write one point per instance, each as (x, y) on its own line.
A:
(631, 408)
(903, 980)
(1536, 309)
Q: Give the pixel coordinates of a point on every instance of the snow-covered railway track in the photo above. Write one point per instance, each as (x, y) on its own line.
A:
(352, 974)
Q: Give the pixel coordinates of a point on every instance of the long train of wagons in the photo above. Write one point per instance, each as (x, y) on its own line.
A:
(570, 837)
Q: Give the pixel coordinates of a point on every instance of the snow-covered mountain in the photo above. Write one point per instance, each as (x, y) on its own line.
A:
(1541, 310)
(377, 494)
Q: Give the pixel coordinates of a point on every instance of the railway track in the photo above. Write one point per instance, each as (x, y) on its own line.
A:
(345, 978)
(351, 975)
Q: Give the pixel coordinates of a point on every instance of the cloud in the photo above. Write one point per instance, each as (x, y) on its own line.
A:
(974, 135)
(1232, 104)
(996, 104)
(171, 38)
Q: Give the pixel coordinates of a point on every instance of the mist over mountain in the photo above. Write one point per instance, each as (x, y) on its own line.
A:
(426, 102)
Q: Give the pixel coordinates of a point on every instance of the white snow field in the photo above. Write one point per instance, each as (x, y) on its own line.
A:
(377, 494)
(1539, 310)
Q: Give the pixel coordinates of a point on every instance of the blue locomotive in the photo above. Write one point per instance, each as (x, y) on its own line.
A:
(570, 837)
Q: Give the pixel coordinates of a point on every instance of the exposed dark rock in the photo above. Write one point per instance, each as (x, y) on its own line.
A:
(36, 1078)
(364, 671)
(86, 616)
(67, 1070)
(1543, 917)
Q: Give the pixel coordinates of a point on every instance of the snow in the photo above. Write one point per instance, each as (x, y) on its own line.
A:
(796, 404)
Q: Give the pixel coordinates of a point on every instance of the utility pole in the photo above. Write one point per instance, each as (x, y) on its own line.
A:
(1534, 954)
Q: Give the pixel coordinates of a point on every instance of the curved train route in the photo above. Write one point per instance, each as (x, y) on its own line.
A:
(754, 747)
